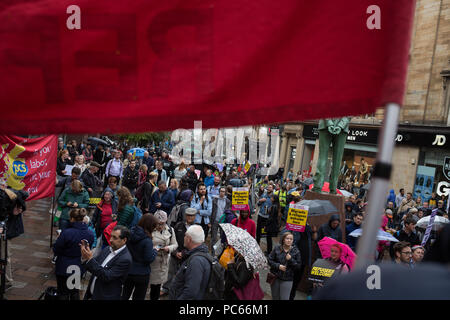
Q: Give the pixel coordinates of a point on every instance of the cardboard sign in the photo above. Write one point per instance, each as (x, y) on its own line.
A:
(321, 271)
(247, 167)
(240, 199)
(297, 216)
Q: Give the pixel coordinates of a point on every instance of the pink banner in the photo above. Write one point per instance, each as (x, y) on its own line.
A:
(29, 164)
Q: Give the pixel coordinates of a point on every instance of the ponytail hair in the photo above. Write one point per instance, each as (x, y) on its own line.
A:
(78, 214)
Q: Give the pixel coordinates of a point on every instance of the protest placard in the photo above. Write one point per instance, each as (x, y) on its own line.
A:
(240, 199)
(297, 216)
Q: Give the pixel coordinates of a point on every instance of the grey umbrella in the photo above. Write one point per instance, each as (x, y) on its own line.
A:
(366, 186)
(319, 207)
(95, 141)
(308, 181)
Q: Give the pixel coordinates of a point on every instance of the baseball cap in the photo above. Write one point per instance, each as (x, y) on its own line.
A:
(191, 211)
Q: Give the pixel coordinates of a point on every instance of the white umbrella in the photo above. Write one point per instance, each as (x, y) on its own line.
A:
(245, 244)
(345, 193)
(382, 235)
(438, 223)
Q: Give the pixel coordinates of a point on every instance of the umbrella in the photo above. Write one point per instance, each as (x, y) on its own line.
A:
(308, 181)
(318, 207)
(345, 193)
(366, 186)
(139, 152)
(348, 256)
(382, 235)
(438, 222)
(245, 244)
(95, 141)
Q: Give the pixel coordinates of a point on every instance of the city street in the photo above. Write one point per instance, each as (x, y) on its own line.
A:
(33, 270)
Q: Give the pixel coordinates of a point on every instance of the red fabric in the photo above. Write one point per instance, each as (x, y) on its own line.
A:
(159, 65)
(106, 216)
(29, 164)
(108, 230)
(251, 291)
(248, 225)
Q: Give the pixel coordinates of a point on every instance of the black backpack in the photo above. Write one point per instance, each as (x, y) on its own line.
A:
(216, 283)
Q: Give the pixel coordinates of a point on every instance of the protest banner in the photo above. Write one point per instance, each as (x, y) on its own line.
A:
(29, 164)
(247, 166)
(321, 271)
(239, 199)
(297, 216)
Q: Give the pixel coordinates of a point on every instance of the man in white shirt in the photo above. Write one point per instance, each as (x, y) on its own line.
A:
(110, 269)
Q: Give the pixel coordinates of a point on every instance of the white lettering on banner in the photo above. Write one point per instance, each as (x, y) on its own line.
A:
(37, 164)
(443, 188)
(439, 140)
(74, 20)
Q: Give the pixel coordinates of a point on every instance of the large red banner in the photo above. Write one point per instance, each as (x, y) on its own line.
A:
(150, 65)
(29, 164)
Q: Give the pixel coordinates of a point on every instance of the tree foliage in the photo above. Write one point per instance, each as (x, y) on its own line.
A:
(143, 139)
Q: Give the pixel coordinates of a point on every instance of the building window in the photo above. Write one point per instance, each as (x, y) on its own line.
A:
(292, 155)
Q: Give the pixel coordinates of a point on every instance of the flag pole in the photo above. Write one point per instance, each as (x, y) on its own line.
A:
(379, 185)
(51, 221)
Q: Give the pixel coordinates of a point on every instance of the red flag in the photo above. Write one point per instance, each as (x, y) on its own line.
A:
(159, 65)
(29, 164)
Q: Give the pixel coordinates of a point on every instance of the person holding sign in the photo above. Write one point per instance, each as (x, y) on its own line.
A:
(283, 261)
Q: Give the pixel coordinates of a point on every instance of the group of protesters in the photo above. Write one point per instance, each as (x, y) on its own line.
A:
(179, 209)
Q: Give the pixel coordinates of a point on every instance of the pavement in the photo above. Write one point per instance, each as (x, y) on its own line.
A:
(31, 257)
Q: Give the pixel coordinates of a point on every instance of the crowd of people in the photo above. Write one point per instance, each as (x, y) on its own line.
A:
(157, 225)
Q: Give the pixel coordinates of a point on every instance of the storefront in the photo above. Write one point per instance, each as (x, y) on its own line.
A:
(361, 146)
(433, 163)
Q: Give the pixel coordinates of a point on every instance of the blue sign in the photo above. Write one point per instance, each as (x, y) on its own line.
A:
(20, 169)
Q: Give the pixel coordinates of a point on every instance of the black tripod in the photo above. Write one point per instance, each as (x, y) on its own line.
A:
(3, 259)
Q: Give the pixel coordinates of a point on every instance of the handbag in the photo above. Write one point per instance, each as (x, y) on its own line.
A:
(271, 277)
(251, 291)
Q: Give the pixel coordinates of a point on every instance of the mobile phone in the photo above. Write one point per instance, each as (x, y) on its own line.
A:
(85, 243)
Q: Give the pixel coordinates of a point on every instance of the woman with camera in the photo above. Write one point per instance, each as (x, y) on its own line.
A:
(67, 251)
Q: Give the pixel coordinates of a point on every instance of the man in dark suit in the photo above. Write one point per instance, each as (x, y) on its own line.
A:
(110, 269)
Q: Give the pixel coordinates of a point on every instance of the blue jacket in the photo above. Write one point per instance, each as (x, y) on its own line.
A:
(167, 201)
(351, 241)
(111, 277)
(67, 247)
(191, 280)
(204, 210)
(142, 251)
(265, 206)
(163, 175)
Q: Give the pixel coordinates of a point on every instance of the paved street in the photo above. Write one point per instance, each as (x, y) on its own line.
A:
(31, 257)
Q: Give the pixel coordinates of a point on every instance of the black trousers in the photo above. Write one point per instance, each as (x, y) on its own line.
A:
(205, 228)
(155, 290)
(297, 278)
(64, 292)
(137, 282)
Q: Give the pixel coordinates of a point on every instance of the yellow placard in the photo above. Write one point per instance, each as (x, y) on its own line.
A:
(239, 198)
(247, 166)
(94, 200)
(297, 216)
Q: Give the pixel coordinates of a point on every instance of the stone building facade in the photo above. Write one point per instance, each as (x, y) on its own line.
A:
(423, 140)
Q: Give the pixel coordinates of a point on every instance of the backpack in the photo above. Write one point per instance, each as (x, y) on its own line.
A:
(136, 216)
(175, 215)
(216, 283)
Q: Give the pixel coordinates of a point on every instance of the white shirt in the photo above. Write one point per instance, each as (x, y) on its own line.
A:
(108, 258)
